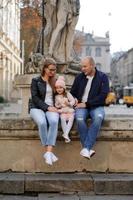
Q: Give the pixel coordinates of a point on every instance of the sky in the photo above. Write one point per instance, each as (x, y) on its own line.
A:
(115, 16)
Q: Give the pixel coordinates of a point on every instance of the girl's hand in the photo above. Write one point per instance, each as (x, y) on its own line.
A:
(52, 109)
(66, 102)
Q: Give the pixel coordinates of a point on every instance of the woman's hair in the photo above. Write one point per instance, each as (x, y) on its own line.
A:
(47, 62)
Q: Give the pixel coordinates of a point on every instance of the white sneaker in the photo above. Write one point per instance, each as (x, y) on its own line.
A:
(48, 158)
(85, 153)
(54, 158)
(67, 139)
(92, 152)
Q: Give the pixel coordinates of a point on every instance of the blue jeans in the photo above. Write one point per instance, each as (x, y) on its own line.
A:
(47, 123)
(88, 135)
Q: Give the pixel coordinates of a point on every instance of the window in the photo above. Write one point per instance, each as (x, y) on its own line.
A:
(98, 66)
(88, 51)
(98, 52)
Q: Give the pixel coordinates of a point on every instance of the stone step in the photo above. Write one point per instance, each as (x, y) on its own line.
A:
(54, 196)
(81, 183)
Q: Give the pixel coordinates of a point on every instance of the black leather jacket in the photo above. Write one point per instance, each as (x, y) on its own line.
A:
(38, 93)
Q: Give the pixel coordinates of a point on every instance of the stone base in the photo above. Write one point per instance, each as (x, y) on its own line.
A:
(21, 150)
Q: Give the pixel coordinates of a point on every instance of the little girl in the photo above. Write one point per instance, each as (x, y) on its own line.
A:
(64, 102)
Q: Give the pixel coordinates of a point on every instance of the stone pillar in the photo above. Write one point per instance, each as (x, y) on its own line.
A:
(23, 83)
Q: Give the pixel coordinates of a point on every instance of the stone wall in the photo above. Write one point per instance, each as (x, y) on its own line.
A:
(21, 151)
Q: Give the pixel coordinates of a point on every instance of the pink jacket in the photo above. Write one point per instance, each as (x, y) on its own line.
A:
(64, 104)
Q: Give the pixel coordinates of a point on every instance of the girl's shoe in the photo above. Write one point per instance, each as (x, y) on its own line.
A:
(67, 139)
(48, 158)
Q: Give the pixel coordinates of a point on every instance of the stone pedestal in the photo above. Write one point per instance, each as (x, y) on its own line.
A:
(23, 82)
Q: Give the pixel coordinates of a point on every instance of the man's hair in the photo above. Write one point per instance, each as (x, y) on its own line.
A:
(91, 60)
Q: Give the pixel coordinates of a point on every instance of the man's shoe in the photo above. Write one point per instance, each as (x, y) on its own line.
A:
(92, 152)
(85, 153)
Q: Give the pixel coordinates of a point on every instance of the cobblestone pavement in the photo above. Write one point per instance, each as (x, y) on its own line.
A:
(51, 196)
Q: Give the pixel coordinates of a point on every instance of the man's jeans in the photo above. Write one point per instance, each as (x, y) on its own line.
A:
(47, 123)
(88, 135)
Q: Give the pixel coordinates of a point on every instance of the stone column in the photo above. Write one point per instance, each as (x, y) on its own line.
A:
(23, 83)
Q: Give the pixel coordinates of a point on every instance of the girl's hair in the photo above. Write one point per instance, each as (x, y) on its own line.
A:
(64, 92)
(47, 62)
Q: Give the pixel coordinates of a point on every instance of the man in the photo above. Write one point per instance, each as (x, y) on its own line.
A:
(90, 88)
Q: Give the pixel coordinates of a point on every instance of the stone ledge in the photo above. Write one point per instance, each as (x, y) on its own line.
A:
(112, 129)
(96, 184)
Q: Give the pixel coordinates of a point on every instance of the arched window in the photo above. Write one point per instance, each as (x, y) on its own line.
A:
(88, 51)
(98, 66)
(98, 52)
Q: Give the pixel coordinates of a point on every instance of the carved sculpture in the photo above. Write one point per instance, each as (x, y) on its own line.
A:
(35, 63)
(60, 40)
(61, 18)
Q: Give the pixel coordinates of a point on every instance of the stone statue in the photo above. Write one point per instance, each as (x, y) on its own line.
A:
(61, 18)
(35, 63)
(60, 27)
(50, 16)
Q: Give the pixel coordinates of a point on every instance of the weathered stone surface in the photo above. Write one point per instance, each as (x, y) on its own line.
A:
(27, 123)
(57, 197)
(27, 155)
(25, 127)
(58, 183)
(121, 157)
(24, 151)
(106, 197)
(11, 183)
(17, 197)
(113, 184)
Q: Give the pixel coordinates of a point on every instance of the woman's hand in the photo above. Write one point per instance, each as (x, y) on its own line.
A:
(52, 109)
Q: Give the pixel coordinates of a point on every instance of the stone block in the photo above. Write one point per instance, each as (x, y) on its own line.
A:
(121, 157)
(112, 184)
(106, 197)
(17, 197)
(27, 156)
(57, 197)
(58, 183)
(11, 183)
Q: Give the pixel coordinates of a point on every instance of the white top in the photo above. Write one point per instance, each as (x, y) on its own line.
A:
(49, 95)
(87, 89)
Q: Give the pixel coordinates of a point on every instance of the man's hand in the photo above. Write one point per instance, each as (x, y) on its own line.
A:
(52, 109)
(80, 105)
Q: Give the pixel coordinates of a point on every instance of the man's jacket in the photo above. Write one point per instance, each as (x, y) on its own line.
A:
(98, 91)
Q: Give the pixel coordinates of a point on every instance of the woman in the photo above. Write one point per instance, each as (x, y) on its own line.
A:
(42, 109)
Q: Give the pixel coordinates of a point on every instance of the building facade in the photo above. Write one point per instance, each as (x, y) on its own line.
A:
(10, 61)
(97, 47)
(122, 70)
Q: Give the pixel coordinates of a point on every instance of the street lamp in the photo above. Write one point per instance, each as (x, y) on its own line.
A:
(43, 24)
